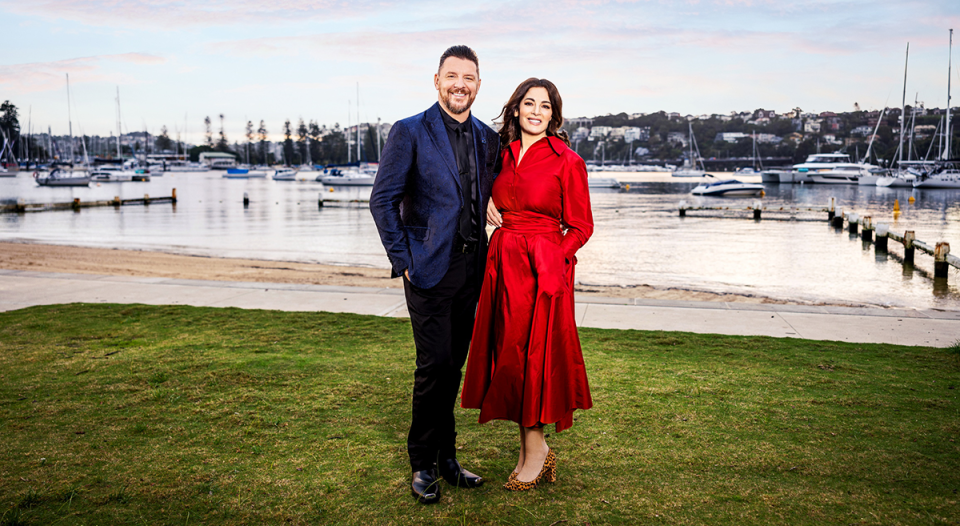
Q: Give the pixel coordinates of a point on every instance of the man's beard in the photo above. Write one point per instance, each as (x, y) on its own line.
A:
(451, 103)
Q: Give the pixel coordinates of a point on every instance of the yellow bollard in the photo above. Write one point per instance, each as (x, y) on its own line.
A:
(627, 187)
(911, 200)
(896, 205)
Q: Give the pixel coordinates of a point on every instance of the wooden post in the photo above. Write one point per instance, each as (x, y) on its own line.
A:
(757, 210)
(881, 243)
(116, 200)
(21, 204)
(76, 203)
(683, 209)
(146, 199)
(832, 211)
(908, 238)
(246, 199)
(940, 265)
(173, 195)
(852, 225)
(867, 234)
(320, 200)
(838, 219)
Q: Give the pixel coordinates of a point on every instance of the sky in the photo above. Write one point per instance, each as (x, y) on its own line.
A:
(177, 61)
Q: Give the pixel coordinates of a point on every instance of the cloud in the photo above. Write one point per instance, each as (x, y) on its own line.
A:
(46, 76)
(168, 14)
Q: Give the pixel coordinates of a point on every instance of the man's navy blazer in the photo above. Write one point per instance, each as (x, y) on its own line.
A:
(416, 197)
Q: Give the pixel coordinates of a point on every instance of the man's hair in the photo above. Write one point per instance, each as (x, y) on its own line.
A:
(462, 52)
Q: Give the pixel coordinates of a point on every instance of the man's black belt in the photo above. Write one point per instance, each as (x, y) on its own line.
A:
(462, 246)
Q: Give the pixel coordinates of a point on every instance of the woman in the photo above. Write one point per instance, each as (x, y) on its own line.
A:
(525, 362)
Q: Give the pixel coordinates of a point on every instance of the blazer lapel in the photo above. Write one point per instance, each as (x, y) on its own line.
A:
(479, 152)
(438, 134)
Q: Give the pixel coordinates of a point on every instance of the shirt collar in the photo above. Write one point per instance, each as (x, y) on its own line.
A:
(451, 123)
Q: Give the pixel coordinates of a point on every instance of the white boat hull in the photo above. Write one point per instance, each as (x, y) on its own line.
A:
(728, 188)
(894, 182)
(340, 180)
(946, 180)
(689, 173)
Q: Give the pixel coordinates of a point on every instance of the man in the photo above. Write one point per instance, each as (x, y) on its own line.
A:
(436, 173)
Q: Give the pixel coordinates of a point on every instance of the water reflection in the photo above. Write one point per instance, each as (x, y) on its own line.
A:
(639, 238)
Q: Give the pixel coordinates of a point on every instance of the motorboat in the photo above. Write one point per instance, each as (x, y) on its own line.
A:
(602, 182)
(728, 187)
(285, 174)
(110, 174)
(243, 173)
(945, 175)
(60, 177)
(772, 176)
(358, 174)
(115, 174)
(827, 168)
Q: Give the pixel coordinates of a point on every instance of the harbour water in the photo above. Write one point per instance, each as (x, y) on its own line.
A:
(639, 240)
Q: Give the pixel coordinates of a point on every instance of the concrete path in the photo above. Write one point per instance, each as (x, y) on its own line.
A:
(932, 327)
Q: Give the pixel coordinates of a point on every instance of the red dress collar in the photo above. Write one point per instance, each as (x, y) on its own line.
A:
(550, 141)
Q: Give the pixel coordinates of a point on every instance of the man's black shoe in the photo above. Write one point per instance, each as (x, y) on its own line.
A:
(426, 486)
(455, 475)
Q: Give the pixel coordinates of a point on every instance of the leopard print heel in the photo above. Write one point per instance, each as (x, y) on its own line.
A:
(547, 473)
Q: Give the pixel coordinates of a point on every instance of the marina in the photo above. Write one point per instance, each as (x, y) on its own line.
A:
(639, 238)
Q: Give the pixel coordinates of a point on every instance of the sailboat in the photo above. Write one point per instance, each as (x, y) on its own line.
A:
(947, 172)
(689, 168)
(70, 176)
(6, 157)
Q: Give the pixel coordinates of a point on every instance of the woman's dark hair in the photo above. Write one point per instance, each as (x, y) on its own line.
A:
(510, 127)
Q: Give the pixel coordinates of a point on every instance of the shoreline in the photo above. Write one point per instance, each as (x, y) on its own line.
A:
(124, 262)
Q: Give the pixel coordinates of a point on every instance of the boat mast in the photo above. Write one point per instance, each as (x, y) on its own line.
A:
(70, 119)
(946, 154)
(913, 126)
(119, 131)
(358, 122)
(347, 132)
(903, 108)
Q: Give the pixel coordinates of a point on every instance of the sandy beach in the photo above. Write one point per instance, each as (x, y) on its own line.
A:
(82, 260)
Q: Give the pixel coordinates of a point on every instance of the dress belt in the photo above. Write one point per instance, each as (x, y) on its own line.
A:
(526, 222)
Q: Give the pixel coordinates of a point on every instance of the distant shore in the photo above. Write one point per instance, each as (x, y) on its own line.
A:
(116, 262)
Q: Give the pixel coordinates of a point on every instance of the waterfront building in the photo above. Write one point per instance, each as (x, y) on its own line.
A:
(599, 132)
(730, 137)
(811, 127)
(218, 160)
(677, 138)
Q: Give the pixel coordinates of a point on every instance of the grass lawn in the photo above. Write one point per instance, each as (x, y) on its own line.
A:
(120, 414)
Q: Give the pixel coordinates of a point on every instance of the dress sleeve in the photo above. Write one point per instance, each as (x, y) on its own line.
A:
(577, 215)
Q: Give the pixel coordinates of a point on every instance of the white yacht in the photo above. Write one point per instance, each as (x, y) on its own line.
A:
(946, 175)
(362, 174)
(828, 168)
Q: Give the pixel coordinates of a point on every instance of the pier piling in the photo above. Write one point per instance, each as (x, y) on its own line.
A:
(832, 212)
(246, 199)
(940, 265)
(853, 225)
(867, 234)
(908, 238)
(837, 221)
(881, 243)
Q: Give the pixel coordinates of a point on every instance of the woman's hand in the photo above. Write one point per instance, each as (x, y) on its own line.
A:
(493, 215)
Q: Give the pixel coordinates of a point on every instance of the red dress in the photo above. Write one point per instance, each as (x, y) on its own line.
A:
(525, 362)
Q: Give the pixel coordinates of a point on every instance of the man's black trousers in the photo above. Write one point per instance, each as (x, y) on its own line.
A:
(442, 319)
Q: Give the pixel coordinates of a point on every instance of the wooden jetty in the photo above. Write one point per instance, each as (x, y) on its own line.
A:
(22, 206)
(878, 234)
